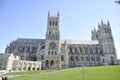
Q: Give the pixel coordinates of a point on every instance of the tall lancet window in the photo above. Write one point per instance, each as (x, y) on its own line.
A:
(53, 23)
(50, 23)
(56, 23)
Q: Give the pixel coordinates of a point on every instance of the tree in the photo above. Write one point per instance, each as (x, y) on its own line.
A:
(117, 1)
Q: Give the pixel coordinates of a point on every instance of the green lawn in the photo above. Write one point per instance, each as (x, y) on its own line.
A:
(91, 73)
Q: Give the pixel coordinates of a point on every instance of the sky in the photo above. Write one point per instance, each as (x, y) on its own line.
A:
(28, 19)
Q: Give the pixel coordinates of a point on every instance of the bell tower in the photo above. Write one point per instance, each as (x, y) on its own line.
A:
(53, 27)
(52, 45)
(106, 42)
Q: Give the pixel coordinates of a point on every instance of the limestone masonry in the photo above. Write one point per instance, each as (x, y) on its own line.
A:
(54, 53)
(11, 62)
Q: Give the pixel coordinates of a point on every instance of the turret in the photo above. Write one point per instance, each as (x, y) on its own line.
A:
(101, 22)
(48, 14)
(98, 26)
(53, 27)
(108, 23)
(106, 42)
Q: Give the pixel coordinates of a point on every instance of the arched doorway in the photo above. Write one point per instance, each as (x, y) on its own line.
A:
(38, 68)
(47, 64)
(29, 68)
(52, 64)
(33, 68)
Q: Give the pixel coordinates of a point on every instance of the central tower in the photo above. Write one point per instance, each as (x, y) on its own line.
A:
(52, 45)
(53, 27)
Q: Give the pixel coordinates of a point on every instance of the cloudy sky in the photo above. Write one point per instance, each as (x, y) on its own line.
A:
(28, 18)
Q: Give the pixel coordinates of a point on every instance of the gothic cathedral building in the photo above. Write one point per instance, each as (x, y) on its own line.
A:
(55, 53)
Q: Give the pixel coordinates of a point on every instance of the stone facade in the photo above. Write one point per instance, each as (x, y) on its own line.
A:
(10, 62)
(55, 53)
(20, 65)
(6, 61)
(25, 48)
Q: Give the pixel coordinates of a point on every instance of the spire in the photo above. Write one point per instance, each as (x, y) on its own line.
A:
(94, 29)
(98, 24)
(108, 23)
(48, 13)
(58, 14)
(101, 22)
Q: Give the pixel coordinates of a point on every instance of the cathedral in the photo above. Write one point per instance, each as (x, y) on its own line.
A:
(55, 53)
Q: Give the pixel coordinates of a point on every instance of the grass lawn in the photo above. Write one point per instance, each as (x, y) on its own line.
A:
(91, 73)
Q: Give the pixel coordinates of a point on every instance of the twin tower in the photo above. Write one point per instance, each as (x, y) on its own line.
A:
(106, 50)
(55, 53)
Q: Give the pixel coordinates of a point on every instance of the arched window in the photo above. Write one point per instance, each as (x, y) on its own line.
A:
(92, 58)
(42, 57)
(97, 58)
(53, 23)
(70, 49)
(82, 58)
(75, 48)
(49, 32)
(96, 36)
(91, 50)
(105, 30)
(85, 50)
(52, 52)
(23, 49)
(28, 49)
(77, 58)
(33, 49)
(72, 59)
(49, 53)
(87, 58)
(56, 23)
(50, 23)
(80, 50)
(55, 52)
(96, 50)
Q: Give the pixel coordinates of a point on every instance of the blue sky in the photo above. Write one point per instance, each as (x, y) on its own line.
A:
(28, 18)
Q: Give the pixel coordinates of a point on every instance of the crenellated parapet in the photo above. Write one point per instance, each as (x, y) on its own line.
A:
(106, 41)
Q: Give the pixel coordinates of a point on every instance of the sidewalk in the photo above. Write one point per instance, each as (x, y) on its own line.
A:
(12, 76)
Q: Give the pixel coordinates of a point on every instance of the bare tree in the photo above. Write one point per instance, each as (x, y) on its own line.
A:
(117, 1)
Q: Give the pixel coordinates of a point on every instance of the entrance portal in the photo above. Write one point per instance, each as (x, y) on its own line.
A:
(52, 64)
(47, 64)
